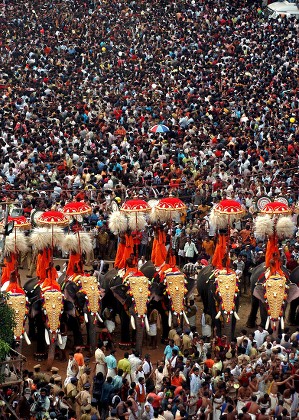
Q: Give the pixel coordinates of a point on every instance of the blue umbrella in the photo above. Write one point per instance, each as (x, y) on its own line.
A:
(159, 128)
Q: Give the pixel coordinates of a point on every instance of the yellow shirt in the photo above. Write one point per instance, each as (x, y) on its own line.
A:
(125, 365)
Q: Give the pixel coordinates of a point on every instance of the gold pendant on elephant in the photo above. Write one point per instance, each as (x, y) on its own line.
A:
(139, 290)
(53, 308)
(176, 291)
(90, 287)
(227, 290)
(275, 298)
(18, 303)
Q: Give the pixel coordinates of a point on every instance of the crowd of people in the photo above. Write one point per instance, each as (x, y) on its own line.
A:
(253, 377)
(82, 82)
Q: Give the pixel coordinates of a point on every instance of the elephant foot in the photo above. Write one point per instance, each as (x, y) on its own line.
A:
(124, 346)
(39, 357)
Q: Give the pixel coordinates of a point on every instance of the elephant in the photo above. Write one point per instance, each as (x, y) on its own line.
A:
(119, 297)
(258, 291)
(207, 289)
(38, 321)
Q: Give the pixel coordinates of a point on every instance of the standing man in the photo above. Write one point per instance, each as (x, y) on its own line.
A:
(100, 358)
(190, 250)
(111, 364)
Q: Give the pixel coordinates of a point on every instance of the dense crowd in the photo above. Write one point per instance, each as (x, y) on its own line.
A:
(253, 377)
(81, 85)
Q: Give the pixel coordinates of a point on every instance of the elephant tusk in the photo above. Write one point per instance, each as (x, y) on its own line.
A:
(47, 338)
(99, 318)
(267, 323)
(186, 318)
(26, 338)
(237, 316)
(85, 317)
(282, 323)
(169, 319)
(146, 323)
(59, 339)
(218, 315)
(133, 322)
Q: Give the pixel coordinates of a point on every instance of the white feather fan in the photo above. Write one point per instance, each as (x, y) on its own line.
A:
(58, 236)
(263, 225)
(153, 216)
(166, 216)
(285, 227)
(117, 222)
(16, 241)
(219, 221)
(136, 223)
(77, 242)
(41, 238)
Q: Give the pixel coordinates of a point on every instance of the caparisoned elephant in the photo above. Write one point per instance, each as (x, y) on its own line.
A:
(291, 293)
(209, 290)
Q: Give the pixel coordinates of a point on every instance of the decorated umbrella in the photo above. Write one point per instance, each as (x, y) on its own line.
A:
(159, 128)
(77, 209)
(51, 219)
(276, 208)
(19, 222)
(168, 207)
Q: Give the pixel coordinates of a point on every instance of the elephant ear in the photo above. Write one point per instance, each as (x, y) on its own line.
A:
(293, 292)
(157, 290)
(148, 269)
(190, 286)
(259, 292)
(69, 308)
(120, 293)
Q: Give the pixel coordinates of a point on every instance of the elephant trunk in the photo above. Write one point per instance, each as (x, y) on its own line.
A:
(140, 328)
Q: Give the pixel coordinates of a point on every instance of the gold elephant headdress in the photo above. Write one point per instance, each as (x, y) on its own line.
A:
(227, 290)
(90, 287)
(275, 297)
(175, 282)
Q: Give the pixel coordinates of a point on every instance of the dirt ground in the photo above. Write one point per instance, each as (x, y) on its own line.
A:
(156, 354)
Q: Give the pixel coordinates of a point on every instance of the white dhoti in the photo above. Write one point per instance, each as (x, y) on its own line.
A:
(274, 400)
(101, 368)
(111, 372)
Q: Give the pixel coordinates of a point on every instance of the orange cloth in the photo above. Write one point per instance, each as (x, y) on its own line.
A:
(118, 262)
(128, 249)
(172, 260)
(159, 253)
(154, 250)
(10, 265)
(50, 282)
(272, 257)
(73, 259)
(220, 251)
(43, 261)
(15, 288)
(79, 358)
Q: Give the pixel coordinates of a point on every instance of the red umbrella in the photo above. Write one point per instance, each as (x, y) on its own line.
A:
(135, 206)
(52, 218)
(276, 207)
(167, 207)
(229, 207)
(76, 208)
(20, 222)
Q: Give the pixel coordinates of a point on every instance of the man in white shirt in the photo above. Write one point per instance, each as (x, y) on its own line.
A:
(259, 335)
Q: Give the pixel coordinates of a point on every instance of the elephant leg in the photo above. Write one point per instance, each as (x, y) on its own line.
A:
(31, 330)
(293, 315)
(251, 321)
(165, 326)
(139, 334)
(264, 315)
(40, 326)
(73, 325)
(91, 332)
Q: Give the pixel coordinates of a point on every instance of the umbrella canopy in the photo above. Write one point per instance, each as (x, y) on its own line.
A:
(229, 207)
(52, 218)
(20, 222)
(76, 208)
(171, 204)
(159, 128)
(135, 206)
(276, 207)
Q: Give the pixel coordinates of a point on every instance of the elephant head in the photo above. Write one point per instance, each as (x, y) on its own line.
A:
(53, 309)
(139, 289)
(227, 289)
(275, 292)
(18, 302)
(88, 285)
(175, 282)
